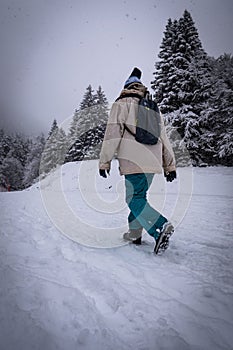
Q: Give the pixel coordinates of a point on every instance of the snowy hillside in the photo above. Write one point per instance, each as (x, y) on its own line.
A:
(56, 293)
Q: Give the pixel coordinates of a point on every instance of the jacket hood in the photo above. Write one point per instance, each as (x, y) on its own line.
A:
(134, 88)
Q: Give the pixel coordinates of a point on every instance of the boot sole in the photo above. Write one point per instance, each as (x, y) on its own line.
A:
(163, 241)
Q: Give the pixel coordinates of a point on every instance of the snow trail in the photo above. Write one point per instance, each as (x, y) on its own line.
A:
(55, 292)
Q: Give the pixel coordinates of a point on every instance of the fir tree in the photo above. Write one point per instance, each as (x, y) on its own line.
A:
(11, 171)
(88, 125)
(84, 118)
(31, 170)
(13, 148)
(101, 108)
(20, 148)
(5, 145)
(217, 141)
(75, 151)
(94, 136)
(162, 83)
(89, 99)
(225, 142)
(54, 128)
(182, 81)
(224, 69)
(55, 149)
(73, 132)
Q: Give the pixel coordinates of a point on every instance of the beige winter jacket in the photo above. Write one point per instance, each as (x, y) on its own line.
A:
(133, 156)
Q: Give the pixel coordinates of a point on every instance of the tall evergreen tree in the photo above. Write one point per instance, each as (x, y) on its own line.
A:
(55, 149)
(31, 169)
(94, 136)
(89, 98)
(182, 81)
(72, 136)
(225, 144)
(224, 66)
(11, 171)
(217, 141)
(54, 128)
(164, 74)
(13, 154)
(5, 145)
(88, 125)
(83, 117)
(20, 148)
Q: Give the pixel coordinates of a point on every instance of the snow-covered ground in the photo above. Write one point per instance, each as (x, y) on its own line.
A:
(58, 294)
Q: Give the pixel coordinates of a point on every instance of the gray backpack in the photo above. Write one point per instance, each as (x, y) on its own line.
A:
(148, 123)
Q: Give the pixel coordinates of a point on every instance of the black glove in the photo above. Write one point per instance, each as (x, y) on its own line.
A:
(103, 172)
(170, 176)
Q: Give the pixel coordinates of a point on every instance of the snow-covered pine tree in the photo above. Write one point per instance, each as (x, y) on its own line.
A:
(75, 151)
(13, 148)
(182, 83)
(81, 122)
(225, 101)
(102, 106)
(11, 171)
(217, 142)
(31, 169)
(5, 145)
(55, 149)
(49, 155)
(225, 69)
(72, 135)
(62, 146)
(94, 136)
(18, 144)
(54, 128)
(87, 115)
(224, 65)
(88, 125)
(20, 148)
(164, 75)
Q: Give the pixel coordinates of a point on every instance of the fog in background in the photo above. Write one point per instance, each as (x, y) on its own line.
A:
(52, 50)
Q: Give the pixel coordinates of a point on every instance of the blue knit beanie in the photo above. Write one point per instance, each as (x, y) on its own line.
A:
(134, 77)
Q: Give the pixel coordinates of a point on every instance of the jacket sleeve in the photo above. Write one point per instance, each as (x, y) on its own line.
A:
(113, 134)
(169, 163)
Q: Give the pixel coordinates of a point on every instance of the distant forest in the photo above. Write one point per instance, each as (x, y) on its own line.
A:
(193, 90)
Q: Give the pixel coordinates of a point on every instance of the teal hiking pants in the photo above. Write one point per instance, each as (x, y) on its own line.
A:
(142, 215)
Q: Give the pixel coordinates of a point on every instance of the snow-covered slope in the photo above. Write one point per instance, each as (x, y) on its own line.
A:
(58, 294)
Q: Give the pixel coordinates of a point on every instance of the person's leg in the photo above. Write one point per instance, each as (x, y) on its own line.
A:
(142, 214)
(134, 224)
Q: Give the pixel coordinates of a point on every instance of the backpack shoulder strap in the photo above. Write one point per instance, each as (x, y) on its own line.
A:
(128, 129)
(125, 96)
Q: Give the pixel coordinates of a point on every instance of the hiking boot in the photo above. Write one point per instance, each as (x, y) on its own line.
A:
(138, 241)
(134, 236)
(162, 242)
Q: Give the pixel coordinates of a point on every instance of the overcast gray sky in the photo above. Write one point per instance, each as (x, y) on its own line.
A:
(52, 50)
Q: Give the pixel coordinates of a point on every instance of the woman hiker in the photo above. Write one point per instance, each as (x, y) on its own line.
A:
(138, 163)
